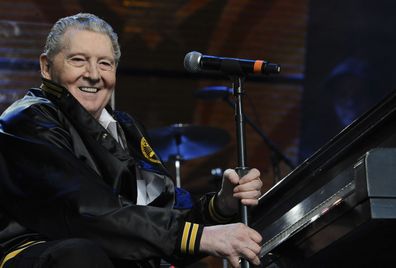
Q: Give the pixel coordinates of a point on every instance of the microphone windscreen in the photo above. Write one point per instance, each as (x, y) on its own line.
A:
(191, 61)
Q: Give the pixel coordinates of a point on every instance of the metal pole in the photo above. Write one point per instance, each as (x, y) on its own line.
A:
(177, 171)
(241, 145)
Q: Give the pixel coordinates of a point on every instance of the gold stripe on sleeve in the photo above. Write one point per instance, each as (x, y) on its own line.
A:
(185, 236)
(193, 237)
(21, 248)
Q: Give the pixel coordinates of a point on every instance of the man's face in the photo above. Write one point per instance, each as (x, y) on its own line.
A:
(85, 66)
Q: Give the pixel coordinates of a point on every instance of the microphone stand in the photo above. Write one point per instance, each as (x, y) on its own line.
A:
(242, 169)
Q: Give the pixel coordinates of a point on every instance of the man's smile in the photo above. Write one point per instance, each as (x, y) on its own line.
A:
(89, 89)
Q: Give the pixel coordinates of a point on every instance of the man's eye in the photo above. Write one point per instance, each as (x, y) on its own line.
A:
(76, 61)
(106, 65)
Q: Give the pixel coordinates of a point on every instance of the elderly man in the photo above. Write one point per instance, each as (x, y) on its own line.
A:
(83, 188)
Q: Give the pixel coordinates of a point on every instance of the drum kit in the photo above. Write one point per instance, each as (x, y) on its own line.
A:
(181, 142)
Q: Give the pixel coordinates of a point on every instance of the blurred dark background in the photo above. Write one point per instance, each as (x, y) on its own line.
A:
(336, 56)
(349, 66)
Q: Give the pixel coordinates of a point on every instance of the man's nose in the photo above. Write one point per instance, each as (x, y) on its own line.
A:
(92, 71)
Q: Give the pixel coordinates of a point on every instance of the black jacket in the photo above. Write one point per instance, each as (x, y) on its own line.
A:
(65, 176)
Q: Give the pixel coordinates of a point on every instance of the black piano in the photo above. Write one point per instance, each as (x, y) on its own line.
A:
(338, 208)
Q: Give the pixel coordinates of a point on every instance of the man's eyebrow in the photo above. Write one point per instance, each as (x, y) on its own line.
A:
(112, 59)
(71, 54)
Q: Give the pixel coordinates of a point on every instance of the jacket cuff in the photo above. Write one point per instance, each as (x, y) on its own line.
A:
(216, 215)
(190, 238)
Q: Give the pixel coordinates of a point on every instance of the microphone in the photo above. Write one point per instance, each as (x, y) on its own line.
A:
(213, 92)
(196, 62)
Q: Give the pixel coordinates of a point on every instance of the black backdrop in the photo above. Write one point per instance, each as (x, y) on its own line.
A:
(349, 65)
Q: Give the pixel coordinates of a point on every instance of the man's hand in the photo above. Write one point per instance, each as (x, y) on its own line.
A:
(232, 241)
(247, 190)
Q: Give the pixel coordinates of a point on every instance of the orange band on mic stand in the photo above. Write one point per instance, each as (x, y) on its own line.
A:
(258, 64)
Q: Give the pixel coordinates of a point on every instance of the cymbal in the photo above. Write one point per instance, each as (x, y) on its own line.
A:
(214, 92)
(187, 141)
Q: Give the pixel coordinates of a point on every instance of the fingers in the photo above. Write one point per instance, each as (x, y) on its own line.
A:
(249, 188)
(250, 253)
(249, 246)
(251, 179)
(250, 198)
(251, 256)
(232, 241)
(232, 176)
(255, 236)
(233, 261)
(248, 194)
(253, 174)
(250, 202)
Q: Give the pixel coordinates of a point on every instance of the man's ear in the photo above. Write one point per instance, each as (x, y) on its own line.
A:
(44, 66)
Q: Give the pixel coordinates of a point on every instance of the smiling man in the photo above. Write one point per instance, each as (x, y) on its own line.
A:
(80, 189)
(86, 70)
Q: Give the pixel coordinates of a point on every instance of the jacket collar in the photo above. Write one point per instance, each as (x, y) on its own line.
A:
(137, 141)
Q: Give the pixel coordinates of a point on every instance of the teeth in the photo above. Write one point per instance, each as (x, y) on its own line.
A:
(89, 89)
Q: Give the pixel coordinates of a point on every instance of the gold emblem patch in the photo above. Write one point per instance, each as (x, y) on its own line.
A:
(148, 152)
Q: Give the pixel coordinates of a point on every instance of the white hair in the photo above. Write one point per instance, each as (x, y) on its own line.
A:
(80, 21)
